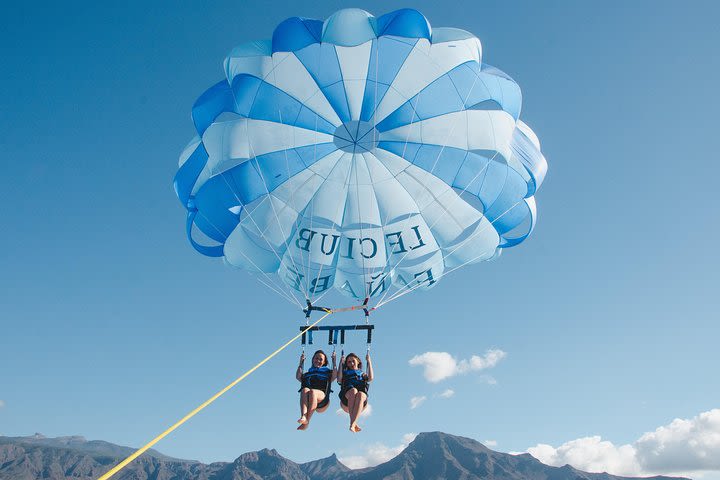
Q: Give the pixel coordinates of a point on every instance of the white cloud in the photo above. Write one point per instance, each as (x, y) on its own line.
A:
(490, 443)
(416, 402)
(377, 453)
(441, 365)
(2, 404)
(683, 447)
(438, 365)
(447, 393)
(491, 358)
(590, 454)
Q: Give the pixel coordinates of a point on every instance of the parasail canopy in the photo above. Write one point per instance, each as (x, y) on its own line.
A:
(367, 155)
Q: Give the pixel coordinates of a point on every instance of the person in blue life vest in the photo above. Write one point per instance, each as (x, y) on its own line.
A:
(354, 386)
(315, 386)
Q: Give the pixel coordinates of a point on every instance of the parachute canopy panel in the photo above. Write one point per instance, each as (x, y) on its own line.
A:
(362, 154)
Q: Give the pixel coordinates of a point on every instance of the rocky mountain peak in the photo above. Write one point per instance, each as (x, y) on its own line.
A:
(430, 456)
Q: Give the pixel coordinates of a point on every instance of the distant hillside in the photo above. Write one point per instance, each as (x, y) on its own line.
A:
(430, 456)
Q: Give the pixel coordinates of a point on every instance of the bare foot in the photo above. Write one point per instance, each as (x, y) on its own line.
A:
(304, 426)
(355, 428)
(302, 420)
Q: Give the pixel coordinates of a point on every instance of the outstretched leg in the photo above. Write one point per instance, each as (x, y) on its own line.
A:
(303, 406)
(312, 399)
(357, 407)
(351, 397)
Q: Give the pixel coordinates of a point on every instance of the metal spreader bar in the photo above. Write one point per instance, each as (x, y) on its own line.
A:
(307, 336)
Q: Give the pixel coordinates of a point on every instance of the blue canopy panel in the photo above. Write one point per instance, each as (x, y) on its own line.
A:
(393, 51)
(360, 154)
(500, 190)
(462, 88)
(257, 99)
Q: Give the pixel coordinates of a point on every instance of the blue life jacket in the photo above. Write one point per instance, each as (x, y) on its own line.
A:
(353, 379)
(317, 378)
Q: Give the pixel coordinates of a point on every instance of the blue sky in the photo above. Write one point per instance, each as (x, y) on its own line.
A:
(113, 327)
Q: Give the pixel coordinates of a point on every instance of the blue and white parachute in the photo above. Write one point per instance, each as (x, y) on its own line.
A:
(364, 154)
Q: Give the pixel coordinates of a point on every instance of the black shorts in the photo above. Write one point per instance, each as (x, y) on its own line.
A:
(342, 393)
(324, 403)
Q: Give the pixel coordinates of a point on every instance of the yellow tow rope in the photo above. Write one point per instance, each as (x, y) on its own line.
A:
(187, 417)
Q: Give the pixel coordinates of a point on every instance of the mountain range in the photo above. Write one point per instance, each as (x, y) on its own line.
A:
(432, 455)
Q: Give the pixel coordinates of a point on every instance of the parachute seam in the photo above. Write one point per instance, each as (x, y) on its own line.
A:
(399, 294)
(272, 206)
(302, 102)
(287, 163)
(394, 76)
(226, 237)
(249, 215)
(277, 217)
(325, 179)
(387, 217)
(342, 79)
(482, 215)
(436, 159)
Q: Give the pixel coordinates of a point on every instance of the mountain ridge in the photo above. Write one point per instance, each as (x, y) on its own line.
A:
(431, 455)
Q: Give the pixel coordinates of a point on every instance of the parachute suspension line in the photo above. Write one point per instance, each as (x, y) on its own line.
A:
(288, 298)
(322, 265)
(360, 215)
(249, 215)
(311, 291)
(293, 299)
(304, 264)
(240, 202)
(475, 177)
(305, 260)
(407, 138)
(437, 158)
(383, 273)
(368, 290)
(387, 217)
(271, 285)
(312, 218)
(340, 206)
(400, 292)
(294, 191)
(272, 206)
(368, 286)
(207, 402)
